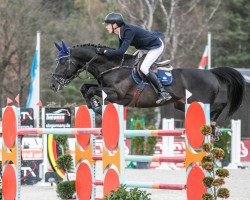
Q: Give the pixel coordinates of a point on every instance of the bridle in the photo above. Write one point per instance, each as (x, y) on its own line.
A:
(61, 79)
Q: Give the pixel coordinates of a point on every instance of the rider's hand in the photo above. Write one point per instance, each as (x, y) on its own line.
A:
(100, 50)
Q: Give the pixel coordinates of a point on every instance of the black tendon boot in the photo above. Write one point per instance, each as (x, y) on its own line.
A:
(155, 82)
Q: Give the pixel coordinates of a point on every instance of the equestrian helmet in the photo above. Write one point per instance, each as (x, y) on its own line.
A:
(114, 18)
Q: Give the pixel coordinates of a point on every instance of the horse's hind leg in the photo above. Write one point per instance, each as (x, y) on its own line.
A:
(216, 110)
(180, 105)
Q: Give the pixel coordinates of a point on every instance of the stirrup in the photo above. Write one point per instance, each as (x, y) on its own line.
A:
(164, 96)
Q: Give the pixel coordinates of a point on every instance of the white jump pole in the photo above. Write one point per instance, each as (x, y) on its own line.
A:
(235, 144)
(167, 144)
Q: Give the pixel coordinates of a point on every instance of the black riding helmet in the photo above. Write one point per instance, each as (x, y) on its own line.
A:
(114, 18)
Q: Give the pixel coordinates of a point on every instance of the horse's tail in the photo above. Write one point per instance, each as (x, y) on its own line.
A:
(235, 86)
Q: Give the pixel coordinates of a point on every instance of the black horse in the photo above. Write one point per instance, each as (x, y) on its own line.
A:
(114, 78)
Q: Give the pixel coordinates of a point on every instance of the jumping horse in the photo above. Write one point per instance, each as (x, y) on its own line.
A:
(113, 76)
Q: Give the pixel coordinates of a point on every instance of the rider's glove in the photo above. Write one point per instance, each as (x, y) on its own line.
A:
(101, 51)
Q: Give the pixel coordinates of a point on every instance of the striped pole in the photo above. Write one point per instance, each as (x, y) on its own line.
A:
(147, 133)
(150, 185)
(156, 185)
(140, 158)
(60, 131)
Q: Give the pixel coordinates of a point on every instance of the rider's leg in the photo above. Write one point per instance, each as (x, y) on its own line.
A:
(163, 95)
(150, 58)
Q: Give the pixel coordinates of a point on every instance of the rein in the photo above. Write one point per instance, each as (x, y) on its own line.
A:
(113, 68)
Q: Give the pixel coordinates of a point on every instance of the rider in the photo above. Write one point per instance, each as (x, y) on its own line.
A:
(141, 39)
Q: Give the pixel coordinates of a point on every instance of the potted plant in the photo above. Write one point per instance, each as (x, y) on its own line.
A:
(215, 178)
(122, 193)
(66, 188)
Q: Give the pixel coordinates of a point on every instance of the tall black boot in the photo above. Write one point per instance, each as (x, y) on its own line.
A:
(155, 82)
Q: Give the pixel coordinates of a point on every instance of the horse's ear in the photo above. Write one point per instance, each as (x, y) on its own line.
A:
(58, 46)
(64, 47)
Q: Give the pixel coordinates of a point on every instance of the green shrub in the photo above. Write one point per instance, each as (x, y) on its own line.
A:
(150, 145)
(207, 181)
(123, 194)
(62, 142)
(66, 189)
(61, 139)
(223, 193)
(206, 130)
(144, 145)
(207, 147)
(65, 162)
(222, 173)
(218, 153)
(209, 166)
(207, 196)
(138, 144)
(208, 158)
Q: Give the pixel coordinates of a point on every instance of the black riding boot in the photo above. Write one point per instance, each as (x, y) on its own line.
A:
(155, 82)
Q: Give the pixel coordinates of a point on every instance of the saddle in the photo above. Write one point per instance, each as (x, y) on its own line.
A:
(162, 69)
(163, 65)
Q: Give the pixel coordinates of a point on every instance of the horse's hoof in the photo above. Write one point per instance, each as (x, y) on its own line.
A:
(216, 133)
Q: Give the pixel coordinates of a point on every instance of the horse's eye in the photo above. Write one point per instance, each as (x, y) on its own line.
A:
(62, 62)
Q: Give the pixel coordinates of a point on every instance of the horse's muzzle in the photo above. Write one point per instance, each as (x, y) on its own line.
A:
(55, 87)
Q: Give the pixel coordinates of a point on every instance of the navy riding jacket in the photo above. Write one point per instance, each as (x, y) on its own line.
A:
(131, 35)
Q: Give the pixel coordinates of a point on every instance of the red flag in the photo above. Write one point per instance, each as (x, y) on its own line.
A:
(17, 99)
(9, 101)
(39, 103)
(204, 60)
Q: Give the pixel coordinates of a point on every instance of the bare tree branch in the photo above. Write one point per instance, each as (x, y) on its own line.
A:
(205, 24)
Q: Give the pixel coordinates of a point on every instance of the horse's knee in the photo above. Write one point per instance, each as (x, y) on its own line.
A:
(83, 89)
(91, 92)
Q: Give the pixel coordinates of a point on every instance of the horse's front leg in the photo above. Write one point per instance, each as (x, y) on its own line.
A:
(84, 90)
(97, 91)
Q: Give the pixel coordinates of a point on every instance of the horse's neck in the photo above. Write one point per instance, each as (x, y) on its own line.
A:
(103, 66)
(107, 62)
(98, 65)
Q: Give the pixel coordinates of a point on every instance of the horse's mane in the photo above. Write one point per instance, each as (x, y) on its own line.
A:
(91, 45)
(126, 56)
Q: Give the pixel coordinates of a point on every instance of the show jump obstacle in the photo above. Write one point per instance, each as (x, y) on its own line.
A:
(113, 157)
